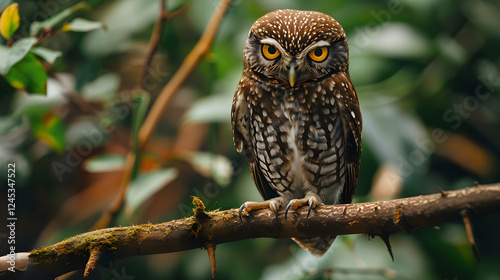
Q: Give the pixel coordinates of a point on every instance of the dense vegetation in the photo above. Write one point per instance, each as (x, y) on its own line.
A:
(426, 72)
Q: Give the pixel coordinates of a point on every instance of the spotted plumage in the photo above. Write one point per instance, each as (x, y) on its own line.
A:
(296, 114)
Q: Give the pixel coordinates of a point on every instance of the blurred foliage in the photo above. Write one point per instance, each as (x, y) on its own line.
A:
(426, 73)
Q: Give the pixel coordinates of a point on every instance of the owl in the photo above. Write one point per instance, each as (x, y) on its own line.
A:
(296, 114)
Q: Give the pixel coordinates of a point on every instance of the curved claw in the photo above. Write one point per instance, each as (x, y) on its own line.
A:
(288, 208)
(273, 206)
(312, 204)
(243, 206)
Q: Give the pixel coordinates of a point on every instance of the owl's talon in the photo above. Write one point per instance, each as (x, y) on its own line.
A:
(273, 206)
(242, 207)
(288, 208)
(312, 204)
(296, 203)
(248, 206)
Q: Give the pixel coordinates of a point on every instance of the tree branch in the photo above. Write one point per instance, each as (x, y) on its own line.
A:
(216, 227)
(163, 100)
(154, 41)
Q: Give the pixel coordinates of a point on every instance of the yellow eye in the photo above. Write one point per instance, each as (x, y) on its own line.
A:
(270, 52)
(319, 54)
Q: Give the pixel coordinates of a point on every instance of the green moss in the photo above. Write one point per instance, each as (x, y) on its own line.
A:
(165, 230)
(229, 216)
(199, 207)
(84, 247)
(45, 252)
(110, 241)
(133, 232)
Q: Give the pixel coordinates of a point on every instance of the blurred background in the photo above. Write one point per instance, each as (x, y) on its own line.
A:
(428, 79)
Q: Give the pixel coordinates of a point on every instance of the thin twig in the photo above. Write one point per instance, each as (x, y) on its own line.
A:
(110, 213)
(95, 255)
(470, 234)
(154, 41)
(442, 192)
(211, 256)
(187, 66)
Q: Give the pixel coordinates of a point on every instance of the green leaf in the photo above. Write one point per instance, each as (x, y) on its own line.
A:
(451, 50)
(46, 54)
(57, 20)
(395, 40)
(210, 165)
(12, 55)
(9, 21)
(404, 143)
(48, 128)
(28, 75)
(106, 162)
(4, 56)
(103, 88)
(147, 184)
(87, 131)
(82, 25)
(208, 109)
(138, 14)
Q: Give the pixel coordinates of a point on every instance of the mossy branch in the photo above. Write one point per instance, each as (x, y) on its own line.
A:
(216, 227)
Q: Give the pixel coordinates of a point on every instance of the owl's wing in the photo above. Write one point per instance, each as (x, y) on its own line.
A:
(352, 122)
(241, 138)
(239, 119)
(265, 190)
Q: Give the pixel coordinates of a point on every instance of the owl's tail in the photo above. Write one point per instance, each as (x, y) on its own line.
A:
(316, 245)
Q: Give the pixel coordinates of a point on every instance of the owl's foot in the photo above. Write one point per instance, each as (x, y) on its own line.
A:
(248, 206)
(312, 201)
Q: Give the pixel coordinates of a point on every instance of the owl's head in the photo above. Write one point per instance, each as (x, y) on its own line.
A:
(293, 48)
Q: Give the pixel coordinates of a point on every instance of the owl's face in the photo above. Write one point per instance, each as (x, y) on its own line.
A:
(294, 48)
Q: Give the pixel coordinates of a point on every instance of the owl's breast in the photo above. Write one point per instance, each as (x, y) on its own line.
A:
(299, 148)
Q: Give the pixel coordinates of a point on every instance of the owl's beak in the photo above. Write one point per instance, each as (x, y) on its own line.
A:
(291, 76)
